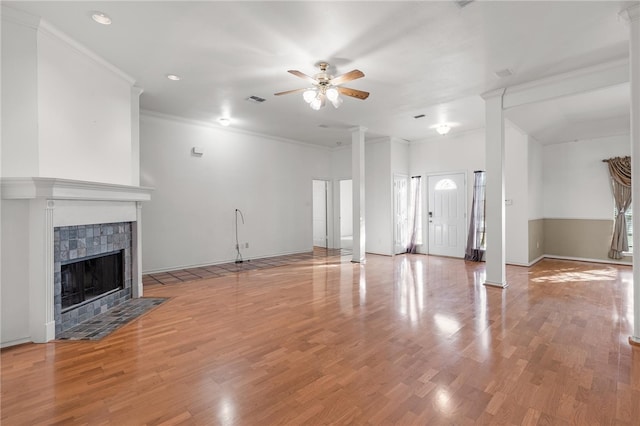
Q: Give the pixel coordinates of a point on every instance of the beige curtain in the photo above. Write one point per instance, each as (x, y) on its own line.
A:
(620, 171)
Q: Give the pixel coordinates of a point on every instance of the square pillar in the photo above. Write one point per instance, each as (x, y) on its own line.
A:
(357, 176)
(495, 219)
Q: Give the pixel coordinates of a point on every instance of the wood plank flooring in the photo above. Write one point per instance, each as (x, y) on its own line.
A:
(409, 339)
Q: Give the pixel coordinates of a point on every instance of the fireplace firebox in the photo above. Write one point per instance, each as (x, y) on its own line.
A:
(88, 278)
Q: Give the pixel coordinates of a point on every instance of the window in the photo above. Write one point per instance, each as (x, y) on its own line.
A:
(628, 215)
(445, 184)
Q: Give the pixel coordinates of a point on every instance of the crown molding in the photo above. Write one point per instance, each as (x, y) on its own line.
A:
(19, 17)
(49, 30)
(631, 14)
(193, 122)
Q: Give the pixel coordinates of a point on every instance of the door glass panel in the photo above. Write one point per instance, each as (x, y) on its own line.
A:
(445, 184)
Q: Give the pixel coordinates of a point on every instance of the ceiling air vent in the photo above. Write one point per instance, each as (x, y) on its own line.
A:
(256, 99)
(506, 72)
(419, 116)
(463, 3)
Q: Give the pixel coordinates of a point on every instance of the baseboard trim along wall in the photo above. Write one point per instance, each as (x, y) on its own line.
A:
(221, 262)
(580, 259)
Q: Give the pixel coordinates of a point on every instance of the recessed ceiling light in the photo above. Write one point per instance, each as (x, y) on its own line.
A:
(101, 18)
(224, 121)
(174, 77)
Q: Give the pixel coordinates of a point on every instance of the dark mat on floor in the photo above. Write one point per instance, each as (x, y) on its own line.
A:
(102, 325)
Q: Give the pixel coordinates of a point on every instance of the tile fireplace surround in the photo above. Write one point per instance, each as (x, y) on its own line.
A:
(58, 203)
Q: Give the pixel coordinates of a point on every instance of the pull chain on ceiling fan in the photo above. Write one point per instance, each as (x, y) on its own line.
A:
(326, 87)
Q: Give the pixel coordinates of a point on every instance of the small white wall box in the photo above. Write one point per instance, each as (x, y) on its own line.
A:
(197, 151)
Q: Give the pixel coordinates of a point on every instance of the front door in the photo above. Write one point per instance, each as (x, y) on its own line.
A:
(446, 214)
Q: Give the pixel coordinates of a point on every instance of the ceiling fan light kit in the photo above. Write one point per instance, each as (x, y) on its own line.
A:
(327, 87)
(443, 129)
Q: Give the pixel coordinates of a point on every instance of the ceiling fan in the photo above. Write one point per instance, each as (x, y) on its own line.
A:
(327, 87)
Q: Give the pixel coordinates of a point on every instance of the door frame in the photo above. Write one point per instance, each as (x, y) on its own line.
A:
(425, 212)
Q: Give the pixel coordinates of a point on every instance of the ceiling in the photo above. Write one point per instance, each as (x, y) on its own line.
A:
(419, 57)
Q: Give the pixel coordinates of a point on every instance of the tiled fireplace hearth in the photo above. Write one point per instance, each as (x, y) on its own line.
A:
(68, 220)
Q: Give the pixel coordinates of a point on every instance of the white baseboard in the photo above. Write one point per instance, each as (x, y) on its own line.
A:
(15, 342)
(221, 262)
(536, 260)
(583, 259)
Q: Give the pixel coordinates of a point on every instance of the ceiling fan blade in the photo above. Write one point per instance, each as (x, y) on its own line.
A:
(351, 75)
(353, 93)
(289, 91)
(303, 76)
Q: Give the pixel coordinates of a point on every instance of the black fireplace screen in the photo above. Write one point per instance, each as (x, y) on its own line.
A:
(91, 277)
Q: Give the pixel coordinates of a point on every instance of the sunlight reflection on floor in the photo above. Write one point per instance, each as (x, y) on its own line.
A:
(571, 275)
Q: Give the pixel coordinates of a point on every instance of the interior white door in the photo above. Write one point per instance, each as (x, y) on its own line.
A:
(447, 214)
(320, 231)
(400, 212)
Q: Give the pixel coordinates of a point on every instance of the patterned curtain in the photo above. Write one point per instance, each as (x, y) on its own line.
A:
(477, 234)
(620, 172)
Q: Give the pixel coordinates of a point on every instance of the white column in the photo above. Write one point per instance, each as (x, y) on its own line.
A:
(632, 15)
(136, 254)
(42, 325)
(495, 218)
(357, 176)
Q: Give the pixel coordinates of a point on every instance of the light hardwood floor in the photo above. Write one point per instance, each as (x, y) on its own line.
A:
(405, 340)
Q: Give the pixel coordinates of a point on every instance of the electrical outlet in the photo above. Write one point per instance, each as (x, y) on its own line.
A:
(246, 245)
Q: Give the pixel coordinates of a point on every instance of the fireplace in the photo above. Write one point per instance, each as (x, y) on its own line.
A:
(89, 278)
(92, 271)
(60, 221)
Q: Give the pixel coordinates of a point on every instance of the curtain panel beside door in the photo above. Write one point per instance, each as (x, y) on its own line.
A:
(476, 239)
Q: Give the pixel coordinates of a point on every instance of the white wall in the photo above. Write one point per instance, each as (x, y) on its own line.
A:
(320, 228)
(14, 315)
(576, 182)
(19, 96)
(379, 197)
(346, 207)
(516, 186)
(190, 219)
(84, 116)
(399, 157)
(535, 188)
(68, 113)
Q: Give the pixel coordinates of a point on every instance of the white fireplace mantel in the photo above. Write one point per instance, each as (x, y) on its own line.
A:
(63, 202)
(66, 189)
